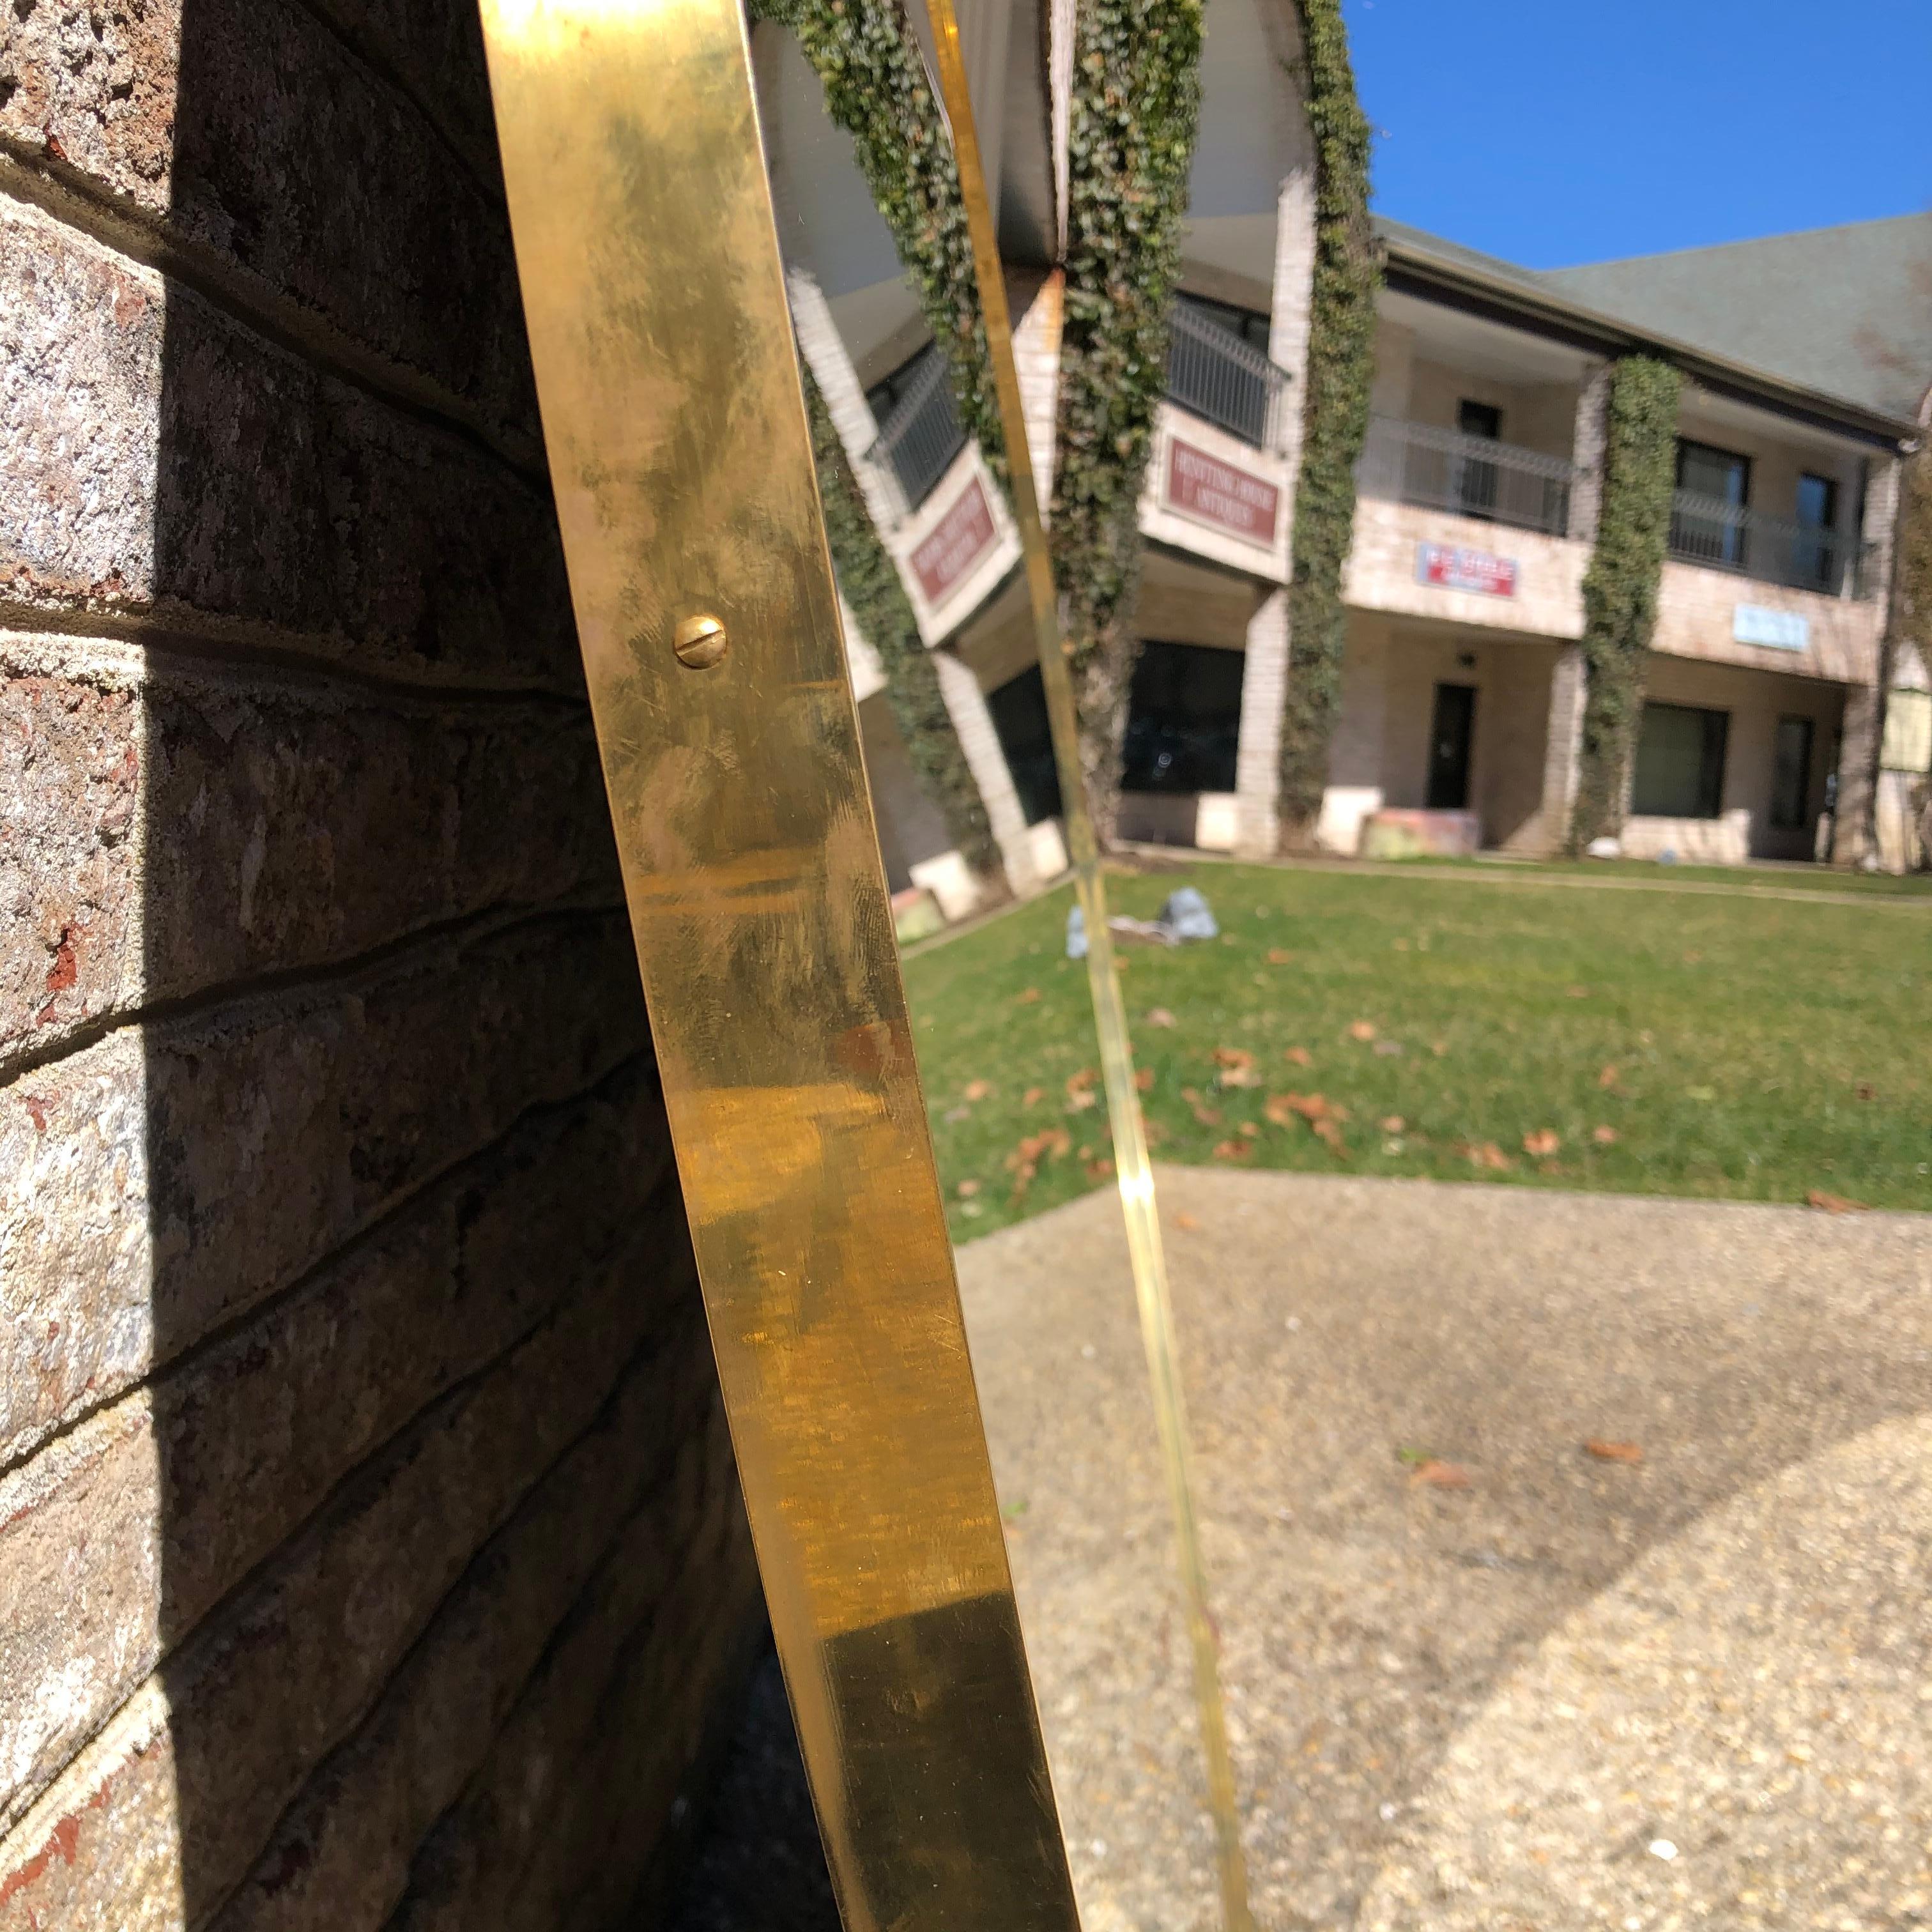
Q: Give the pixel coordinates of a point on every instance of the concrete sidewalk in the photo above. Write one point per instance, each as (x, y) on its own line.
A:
(1691, 1689)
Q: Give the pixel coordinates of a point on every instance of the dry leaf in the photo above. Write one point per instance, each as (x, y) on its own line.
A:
(1187, 1223)
(1603, 1136)
(1362, 1029)
(1438, 1474)
(1297, 1056)
(1833, 1204)
(1545, 1140)
(1099, 1170)
(1392, 1124)
(1033, 1097)
(975, 1090)
(1233, 1056)
(1283, 1107)
(1159, 1016)
(1028, 998)
(1487, 1154)
(1613, 1452)
(1438, 1048)
(1208, 1117)
(1279, 956)
(1865, 1091)
(1328, 1131)
(1607, 1078)
(1079, 1099)
(1248, 1130)
(1238, 1067)
(1233, 1150)
(967, 1190)
(1143, 1080)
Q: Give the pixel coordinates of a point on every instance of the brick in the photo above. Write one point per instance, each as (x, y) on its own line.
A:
(225, 125)
(158, 461)
(278, 825)
(687, 1560)
(341, 1855)
(162, 1181)
(117, 1539)
(294, 1665)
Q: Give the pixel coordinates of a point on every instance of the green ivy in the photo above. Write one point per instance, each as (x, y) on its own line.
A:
(1134, 106)
(1620, 586)
(865, 54)
(1334, 412)
(872, 588)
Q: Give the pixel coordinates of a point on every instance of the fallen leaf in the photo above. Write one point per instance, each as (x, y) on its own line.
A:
(1238, 1067)
(1143, 1080)
(1485, 1154)
(1233, 1150)
(1607, 1078)
(1544, 1141)
(1159, 1016)
(1283, 1107)
(1033, 1097)
(1207, 1116)
(1248, 1130)
(1613, 1452)
(1865, 1091)
(1187, 1223)
(1330, 1132)
(1297, 1056)
(1438, 1048)
(967, 1190)
(1023, 1163)
(1833, 1204)
(1279, 956)
(975, 1090)
(1392, 1124)
(1603, 1136)
(1362, 1029)
(1439, 1475)
(1028, 998)
(1081, 1098)
(1099, 1170)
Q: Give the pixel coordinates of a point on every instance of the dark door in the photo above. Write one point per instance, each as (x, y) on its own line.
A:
(1450, 733)
(1477, 478)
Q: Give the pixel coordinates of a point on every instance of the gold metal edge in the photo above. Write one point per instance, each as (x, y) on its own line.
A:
(708, 619)
(1147, 1256)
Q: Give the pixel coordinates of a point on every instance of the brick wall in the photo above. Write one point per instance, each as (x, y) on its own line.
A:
(370, 1553)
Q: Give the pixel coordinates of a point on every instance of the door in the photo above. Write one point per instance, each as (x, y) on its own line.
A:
(1476, 478)
(1451, 733)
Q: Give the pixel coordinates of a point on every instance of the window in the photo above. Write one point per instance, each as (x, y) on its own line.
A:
(1183, 719)
(1249, 324)
(1680, 762)
(1711, 529)
(1476, 480)
(1791, 774)
(1019, 720)
(885, 395)
(1815, 552)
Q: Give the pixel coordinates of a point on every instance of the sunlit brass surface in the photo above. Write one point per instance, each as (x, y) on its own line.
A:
(682, 470)
(1146, 1256)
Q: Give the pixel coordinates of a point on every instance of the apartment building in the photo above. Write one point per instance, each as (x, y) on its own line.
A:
(1805, 361)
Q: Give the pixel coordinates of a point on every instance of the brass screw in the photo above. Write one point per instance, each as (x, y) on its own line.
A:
(700, 641)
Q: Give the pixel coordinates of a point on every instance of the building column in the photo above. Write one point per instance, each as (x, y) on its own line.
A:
(1257, 748)
(823, 349)
(986, 759)
(1563, 746)
(1291, 301)
(1586, 452)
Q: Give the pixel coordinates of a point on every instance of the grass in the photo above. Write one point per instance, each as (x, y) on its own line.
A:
(1746, 1048)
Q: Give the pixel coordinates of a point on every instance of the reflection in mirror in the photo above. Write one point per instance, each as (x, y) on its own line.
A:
(1569, 1540)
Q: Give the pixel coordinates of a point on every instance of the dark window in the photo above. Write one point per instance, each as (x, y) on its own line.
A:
(1477, 479)
(1249, 324)
(1711, 530)
(1791, 774)
(885, 394)
(1680, 762)
(1019, 719)
(1451, 731)
(1183, 719)
(1816, 549)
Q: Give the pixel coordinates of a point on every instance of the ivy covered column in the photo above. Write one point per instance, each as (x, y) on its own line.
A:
(1620, 587)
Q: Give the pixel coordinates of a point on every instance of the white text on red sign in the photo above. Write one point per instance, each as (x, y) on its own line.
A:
(1210, 491)
(1455, 567)
(958, 541)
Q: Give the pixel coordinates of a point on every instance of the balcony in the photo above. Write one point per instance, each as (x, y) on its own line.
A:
(921, 435)
(1471, 475)
(1720, 535)
(1213, 374)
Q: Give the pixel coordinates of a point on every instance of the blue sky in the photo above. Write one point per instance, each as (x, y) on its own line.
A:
(1551, 132)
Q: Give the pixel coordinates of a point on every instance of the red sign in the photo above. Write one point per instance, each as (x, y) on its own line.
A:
(1451, 567)
(958, 541)
(1203, 487)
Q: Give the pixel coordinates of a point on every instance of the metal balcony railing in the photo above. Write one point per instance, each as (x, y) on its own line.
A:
(921, 434)
(1214, 373)
(1474, 475)
(1774, 550)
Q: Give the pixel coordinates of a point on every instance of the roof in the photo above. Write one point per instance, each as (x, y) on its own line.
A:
(1842, 312)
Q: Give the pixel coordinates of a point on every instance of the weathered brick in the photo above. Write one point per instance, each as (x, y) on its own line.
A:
(162, 1181)
(341, 1856)
(115, 1541)
(225, 124)
(279, 824)
(295, 1663)
(693, 1546)
(156, 458)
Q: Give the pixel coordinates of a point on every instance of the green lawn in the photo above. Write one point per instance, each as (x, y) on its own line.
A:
(1758, 1049)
